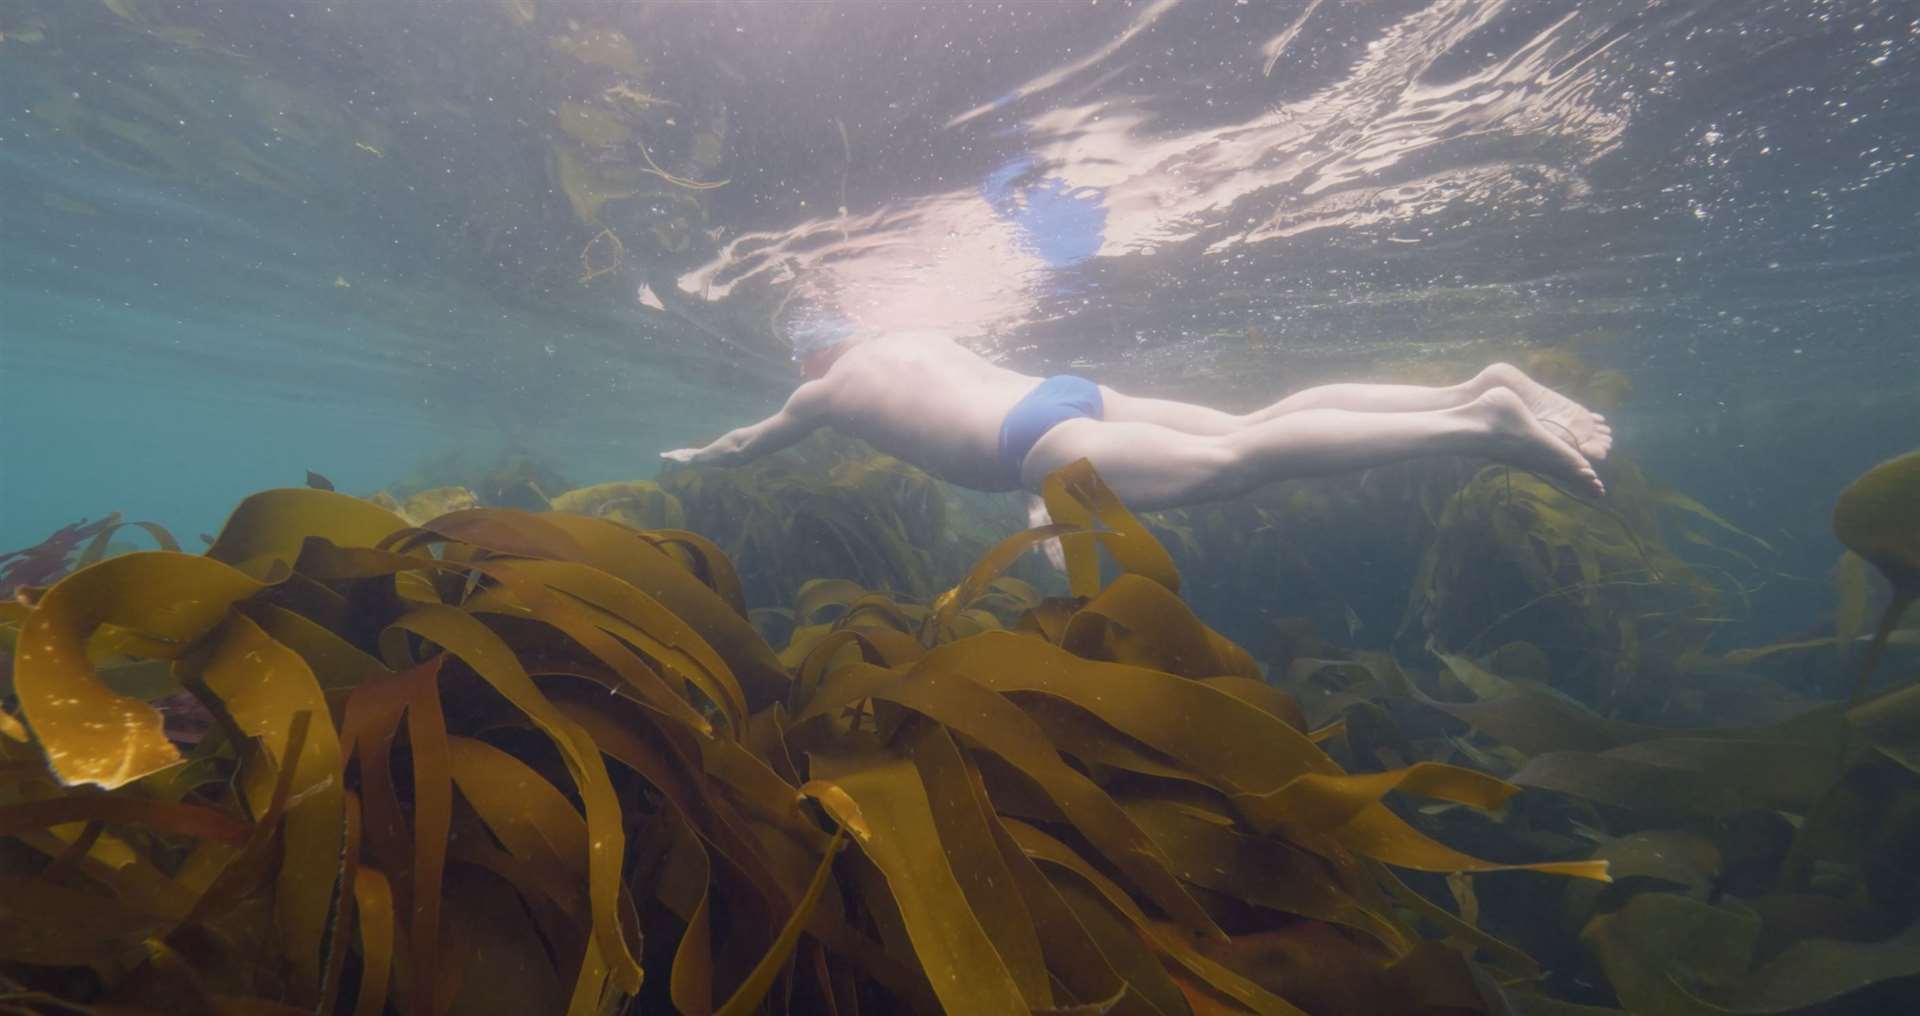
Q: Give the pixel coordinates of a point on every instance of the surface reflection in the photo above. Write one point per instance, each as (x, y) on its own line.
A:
(1447, 113)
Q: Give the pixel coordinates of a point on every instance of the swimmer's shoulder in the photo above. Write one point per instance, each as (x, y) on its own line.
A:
(901, 346)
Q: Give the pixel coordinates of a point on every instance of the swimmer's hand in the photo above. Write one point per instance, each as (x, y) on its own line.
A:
(731, 448)
(723, 452)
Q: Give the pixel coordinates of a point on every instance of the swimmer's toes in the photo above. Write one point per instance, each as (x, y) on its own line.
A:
(1589, 482)
(1532, 445)
(1557, 456)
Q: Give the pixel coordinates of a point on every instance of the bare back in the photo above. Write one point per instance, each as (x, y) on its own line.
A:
(927, 400)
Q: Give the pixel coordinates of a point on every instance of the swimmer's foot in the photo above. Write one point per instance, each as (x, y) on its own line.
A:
(1585, 430)
(1517, 437)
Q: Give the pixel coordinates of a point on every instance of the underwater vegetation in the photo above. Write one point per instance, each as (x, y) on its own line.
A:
(407, 799)
(509, 761)
(1337, 552)
(1875, 519)
(835, 508)
(65, 550)
(1615, 614)
(830, 507)
(1472, 558)
(50, 558)
(512, 478)
(1769, 864)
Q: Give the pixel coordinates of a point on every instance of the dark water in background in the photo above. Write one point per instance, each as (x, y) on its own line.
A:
(242, 240)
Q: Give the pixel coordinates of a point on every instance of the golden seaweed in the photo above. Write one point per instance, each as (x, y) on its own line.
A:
(1063, 803)
(1105, 809)
(1874, 517)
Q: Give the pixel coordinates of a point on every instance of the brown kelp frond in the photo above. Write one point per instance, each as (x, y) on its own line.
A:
(1755, 870)
(954, 793)
(1874, 517)
(23, 572)
(503, 761)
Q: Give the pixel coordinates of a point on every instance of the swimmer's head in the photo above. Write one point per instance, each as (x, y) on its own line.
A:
(818, 334)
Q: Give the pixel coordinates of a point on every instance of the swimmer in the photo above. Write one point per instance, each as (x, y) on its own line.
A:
(929, 401)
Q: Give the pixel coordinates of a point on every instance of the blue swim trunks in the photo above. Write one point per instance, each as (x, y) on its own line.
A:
(1058, 399)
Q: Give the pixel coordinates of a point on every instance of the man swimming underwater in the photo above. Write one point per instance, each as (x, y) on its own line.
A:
(932, 402)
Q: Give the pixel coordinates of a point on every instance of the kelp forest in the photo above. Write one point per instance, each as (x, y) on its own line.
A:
(821, 735)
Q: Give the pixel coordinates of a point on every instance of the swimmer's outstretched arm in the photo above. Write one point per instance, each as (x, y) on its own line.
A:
(801, 416)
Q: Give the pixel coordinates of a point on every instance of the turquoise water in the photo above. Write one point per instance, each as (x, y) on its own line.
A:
(237, 243)
(477, 243)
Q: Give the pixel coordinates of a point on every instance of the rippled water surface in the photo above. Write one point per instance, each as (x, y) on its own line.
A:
(241, 240)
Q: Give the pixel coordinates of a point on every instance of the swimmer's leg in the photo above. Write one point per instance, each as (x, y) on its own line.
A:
(1586, 430)
(1151, 466)
(1181, 416)
(1359, 398)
